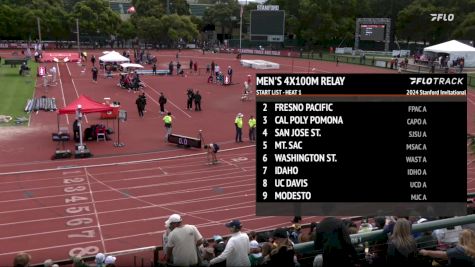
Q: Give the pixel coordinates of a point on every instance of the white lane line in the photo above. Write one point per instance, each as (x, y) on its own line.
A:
(75, 88)
(95, 211)
(51, 247)
(121, 163)
(169, 101)
(62, 91)
(136, 187)
(147, 202)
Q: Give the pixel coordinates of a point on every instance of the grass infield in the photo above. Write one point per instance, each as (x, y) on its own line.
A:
(15, 91)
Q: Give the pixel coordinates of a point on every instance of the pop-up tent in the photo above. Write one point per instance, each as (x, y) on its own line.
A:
(87, 106)
(454, 49)
(82, 105)
(113, 57)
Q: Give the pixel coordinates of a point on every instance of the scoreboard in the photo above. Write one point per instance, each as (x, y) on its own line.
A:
(361, 144)
(373, 32)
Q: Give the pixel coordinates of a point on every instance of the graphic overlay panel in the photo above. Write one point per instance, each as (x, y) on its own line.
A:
(361, 144)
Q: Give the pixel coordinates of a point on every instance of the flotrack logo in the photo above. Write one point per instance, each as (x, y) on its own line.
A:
(442, 17)
(436, 80)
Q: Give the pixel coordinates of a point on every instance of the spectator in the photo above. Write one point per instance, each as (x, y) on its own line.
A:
(182, 242)
(230, 74)
(426, 241)
(206, 252)
(76, 130)
(255, 255)
(252, 129)
(351, 226)
(140, 106)
(154, 69)
(379, 222)
(178, 68)
(378, 250)
(191, 65)
(238, 124)
(189, 101)
(461, 255)
(162, 101)
(93, 60)
(110, 261)
(144, 100)
(332, 239)
(252, 235)
(49, 263)
(197, 98)
(237, 248)
(170, 68)
(79, 262)
(166, 234)
(168, 125)
(283, 252)
(310, 235)
(94, 74)
(402, 247)
(219, 245)
(100, 260)
(295, 233)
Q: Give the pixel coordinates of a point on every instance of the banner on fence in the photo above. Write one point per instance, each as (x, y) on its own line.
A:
(280, 53)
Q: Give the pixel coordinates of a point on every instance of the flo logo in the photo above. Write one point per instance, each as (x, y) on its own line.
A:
(442, 17)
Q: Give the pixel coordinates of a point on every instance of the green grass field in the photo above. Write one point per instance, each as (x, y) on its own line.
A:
(471, 80)
(15, 90)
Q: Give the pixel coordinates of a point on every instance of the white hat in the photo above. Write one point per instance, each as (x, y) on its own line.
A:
(240, 115)
(110, 260)
(253, 244)
(421, 220)
(100, 258)
(174, 218)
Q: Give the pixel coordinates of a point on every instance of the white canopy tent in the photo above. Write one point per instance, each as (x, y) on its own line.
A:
(455, 49)
(131, 66)
(113, 57)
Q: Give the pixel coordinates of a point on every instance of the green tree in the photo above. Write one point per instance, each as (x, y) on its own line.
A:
(18, 18)
(96, 17)
(127, 30)
(180, 7)
(148, 8)
(323, 20)
(149, 29)
(222, 15)
(466, 29)
(175, 27)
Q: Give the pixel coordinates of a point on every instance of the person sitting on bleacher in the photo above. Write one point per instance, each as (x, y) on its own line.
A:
(461, 255)
(333, 241)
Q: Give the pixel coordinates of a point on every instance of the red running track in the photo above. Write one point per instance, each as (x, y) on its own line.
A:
(54, 213)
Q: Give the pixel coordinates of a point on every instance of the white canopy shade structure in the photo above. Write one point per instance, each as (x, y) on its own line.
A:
(455, 49)
(113, 57)
(131, 66)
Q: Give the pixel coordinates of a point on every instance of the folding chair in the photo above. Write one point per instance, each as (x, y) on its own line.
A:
(101, 133)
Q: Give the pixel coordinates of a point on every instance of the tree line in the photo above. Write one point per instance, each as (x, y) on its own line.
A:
(311, 22)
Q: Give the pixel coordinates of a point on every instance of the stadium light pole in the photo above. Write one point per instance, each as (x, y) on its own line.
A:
(240, 28)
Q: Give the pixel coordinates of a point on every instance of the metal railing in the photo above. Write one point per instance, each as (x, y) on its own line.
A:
(308, 248)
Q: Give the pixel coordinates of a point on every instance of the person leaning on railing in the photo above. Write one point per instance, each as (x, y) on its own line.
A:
(461, 255)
